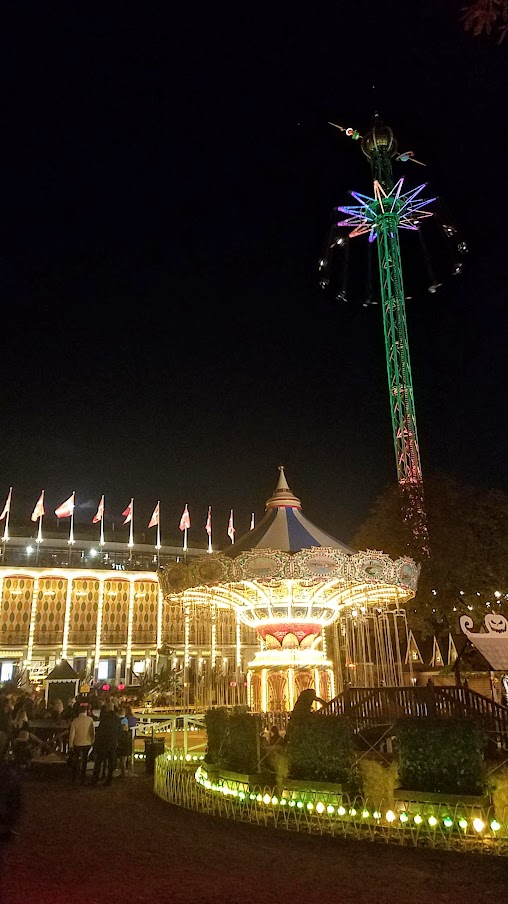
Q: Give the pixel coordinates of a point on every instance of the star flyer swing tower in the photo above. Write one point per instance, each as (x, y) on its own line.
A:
(381, 217)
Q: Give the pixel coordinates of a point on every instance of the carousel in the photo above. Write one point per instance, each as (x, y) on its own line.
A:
(325, 615)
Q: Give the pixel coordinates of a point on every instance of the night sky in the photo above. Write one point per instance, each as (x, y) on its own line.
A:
(168, 182)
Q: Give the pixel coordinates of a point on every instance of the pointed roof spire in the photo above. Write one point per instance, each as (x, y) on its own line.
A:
(282, 496)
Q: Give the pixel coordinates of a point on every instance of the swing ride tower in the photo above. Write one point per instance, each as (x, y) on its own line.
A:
(381, 217)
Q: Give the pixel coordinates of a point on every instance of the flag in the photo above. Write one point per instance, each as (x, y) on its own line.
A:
(66, 509)
(231, 529)
(185, 519)
(154, 520)
(208, 525)
(127, 514)
(100, 512)
(39, 511)
(252, 521)
(7, 506)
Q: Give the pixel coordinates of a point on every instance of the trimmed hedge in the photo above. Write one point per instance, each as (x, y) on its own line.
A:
(233, 739)
(320, 748)
(441, 755)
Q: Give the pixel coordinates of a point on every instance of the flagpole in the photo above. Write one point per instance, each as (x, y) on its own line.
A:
(5, 538)
(131, 531)
(7, 516)
(39, 532)
(209, 528)
(101, 540)
(70, 541)
(158, 544)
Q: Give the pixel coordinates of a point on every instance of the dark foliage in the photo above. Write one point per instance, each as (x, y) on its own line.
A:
(441, 755)
(320, 748)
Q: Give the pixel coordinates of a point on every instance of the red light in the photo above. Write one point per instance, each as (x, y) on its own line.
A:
(121, 687)
(232, 683)
(105, 687)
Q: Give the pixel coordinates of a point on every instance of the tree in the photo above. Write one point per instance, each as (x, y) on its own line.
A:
(483, 15)
(467, 572)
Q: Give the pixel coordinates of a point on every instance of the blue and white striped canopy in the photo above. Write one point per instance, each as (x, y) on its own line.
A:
(284, 527)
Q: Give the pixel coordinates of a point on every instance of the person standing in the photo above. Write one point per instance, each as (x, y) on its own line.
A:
(106, 742)
(81, 738)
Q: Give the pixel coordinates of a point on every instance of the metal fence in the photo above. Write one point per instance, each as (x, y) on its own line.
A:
(461, 827)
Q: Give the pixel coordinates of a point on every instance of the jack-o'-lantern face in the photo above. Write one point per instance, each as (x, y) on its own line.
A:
(497, 624)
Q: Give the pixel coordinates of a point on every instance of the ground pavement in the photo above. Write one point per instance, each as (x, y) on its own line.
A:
(122, 845)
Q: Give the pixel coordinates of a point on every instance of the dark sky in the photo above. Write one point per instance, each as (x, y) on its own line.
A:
(168, 184)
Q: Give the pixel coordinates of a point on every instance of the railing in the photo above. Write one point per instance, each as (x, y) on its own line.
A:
(186, 730)
(367, 707)
(463, 827)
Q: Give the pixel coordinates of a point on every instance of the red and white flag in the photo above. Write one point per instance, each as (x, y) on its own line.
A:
(100, 512)
(231, 528)
(66, 509)
(127, 514)
(7, 506)
(154, 520)
(185, 519)
(39, 511)
(208, 525)
(252, 521)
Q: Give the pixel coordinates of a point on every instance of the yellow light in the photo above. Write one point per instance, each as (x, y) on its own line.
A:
(495, 825)
(320, 807)
(341, 811)
(390, 816)
(267, 799)
(432, 821)
(478, 824)
(418, 819)
(330, 809)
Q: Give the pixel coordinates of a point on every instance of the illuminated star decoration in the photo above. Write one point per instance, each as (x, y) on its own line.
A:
(365, 216)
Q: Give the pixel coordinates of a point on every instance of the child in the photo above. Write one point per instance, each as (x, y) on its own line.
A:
(124, 750)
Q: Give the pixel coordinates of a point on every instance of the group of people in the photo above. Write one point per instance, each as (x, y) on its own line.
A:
(110, 737)
(98, 728)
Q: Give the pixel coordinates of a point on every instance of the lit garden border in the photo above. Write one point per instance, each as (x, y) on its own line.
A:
(459, 827)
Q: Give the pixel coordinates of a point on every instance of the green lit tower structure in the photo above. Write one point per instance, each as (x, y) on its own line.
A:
(381, 217)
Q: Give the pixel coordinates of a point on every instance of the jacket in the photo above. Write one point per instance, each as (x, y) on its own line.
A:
(82, 731)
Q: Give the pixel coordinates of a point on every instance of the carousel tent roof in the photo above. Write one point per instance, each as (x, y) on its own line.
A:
(284, 527)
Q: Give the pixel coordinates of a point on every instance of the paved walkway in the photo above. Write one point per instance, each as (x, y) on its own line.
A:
(122, 845)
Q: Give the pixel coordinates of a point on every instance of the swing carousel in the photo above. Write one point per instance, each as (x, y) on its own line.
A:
(325, 615)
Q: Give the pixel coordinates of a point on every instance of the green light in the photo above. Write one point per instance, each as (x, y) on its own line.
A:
(352, 811)
(241, 795)
(404, 817)
(495, 825)
(417, 819)
(330, 809)
(292, 803)
(463, 823)
(299, 804)
(448, 822)
(365, 814)
(252, 797)
(310, 806)
(283, 801)
(275, 801)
